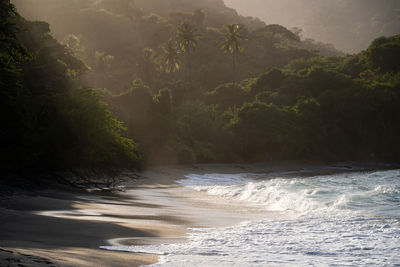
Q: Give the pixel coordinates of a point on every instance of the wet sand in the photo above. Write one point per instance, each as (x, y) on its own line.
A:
(67, 228)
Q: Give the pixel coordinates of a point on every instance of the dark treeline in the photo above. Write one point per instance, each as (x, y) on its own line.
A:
(191, 83)
(49, 121)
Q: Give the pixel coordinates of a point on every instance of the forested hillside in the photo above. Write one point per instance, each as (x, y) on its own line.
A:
(49, 120)
(192, 81)
(350, 25)
(130, 38)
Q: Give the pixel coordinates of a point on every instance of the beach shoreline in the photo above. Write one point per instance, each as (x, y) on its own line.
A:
(67, 228)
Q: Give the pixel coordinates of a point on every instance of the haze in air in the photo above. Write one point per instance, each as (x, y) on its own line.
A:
(199, 133)
(349, 25)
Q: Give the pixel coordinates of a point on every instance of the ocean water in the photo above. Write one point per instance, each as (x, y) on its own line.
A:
(342, 219)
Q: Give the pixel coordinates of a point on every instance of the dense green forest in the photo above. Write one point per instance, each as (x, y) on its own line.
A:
(49, 120)
(122, 40)
(146, 82)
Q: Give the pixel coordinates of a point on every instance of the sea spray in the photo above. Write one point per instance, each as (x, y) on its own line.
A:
(344, 219)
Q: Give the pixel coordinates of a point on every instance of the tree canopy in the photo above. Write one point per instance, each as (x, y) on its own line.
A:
(50, 120)
(121, 96)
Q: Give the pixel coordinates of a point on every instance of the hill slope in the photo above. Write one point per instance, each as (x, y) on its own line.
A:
(349, 25)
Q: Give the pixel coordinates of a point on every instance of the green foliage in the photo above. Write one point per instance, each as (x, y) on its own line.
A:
(52, 121)
(84, 133)
(227, 95)
(14, 99)
(268, 81)
(124, 36)
(198, 133)
(349, 25)
(314, 108)
(126, 8)
(327, 63)
(187, 36)
(233, 37)
(232, 44)
(276, 29)
(262, 130)
(163, 102)
(384, 53)
(171, 61)
(288, 102)
(325, 108)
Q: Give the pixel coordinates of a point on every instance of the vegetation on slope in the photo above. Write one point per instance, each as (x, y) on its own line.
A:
(49, 120)
(168, 77)
(348, 25)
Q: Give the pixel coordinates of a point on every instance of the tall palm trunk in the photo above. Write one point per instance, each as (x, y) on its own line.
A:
(189, 67)
(234, 78)
(234, 68)
(187, 37)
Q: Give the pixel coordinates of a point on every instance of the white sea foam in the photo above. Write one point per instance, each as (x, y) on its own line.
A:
(347, 219)
(271, 195)
(387, 189)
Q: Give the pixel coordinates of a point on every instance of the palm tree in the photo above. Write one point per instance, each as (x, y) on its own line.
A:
(187, 41)
(232, 44)
(147, 66)
(171, 60)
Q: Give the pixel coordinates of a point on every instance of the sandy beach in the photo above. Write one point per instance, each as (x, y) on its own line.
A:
(54, 227)
(66, 227)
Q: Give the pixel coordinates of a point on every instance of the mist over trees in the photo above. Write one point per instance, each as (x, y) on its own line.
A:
(96, 26)
(50, 121)
(350, 25)
(127, 83)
